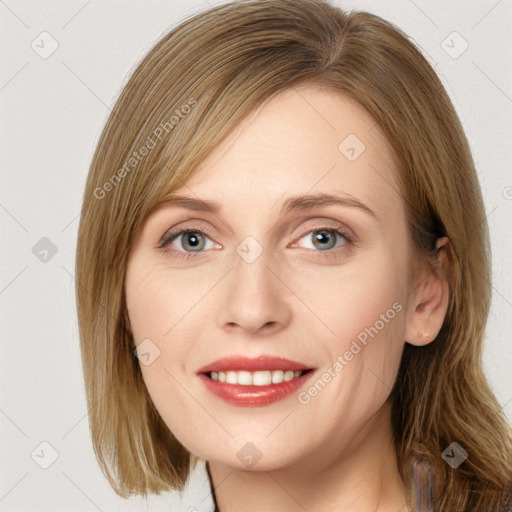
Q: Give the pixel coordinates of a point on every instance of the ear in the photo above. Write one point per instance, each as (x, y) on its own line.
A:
(430, 298)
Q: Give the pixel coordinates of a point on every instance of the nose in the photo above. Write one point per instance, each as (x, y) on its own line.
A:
(254, 298)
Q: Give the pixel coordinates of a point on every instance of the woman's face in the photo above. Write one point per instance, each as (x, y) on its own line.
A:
(323, 286)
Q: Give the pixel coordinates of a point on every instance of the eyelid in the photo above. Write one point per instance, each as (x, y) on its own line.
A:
(324, 223)
(172, 232)
(200, 226)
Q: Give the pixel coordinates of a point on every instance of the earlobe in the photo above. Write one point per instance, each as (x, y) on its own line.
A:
(431, 298)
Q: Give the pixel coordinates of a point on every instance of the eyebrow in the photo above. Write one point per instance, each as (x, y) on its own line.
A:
(292, 203)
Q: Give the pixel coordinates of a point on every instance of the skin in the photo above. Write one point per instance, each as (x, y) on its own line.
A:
(335, 452)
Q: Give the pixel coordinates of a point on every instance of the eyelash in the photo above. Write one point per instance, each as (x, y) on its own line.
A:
(173, 235)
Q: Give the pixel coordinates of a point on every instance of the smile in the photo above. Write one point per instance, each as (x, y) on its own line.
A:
(252, 382)
(259, 378)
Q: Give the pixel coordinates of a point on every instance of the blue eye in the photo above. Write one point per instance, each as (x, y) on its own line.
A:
(188, 243)
(190, 240)
(325, 238)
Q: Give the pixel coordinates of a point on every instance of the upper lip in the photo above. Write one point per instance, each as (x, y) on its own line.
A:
(263, 362)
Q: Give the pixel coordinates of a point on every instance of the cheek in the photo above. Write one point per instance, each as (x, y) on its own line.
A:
(154, 311)
(147, 304)
(354, 297)
(158, 301)
(158, 310)
(362, 311)
(167, 317)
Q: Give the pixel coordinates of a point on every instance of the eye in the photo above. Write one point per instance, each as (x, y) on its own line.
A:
(326, 238)
(186, 242)
(189, 243)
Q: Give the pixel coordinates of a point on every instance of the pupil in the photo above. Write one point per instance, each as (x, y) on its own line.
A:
(323, 237)
(193, 240)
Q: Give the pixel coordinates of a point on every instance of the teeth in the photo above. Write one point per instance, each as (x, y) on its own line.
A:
(260, 378)
(231, 378)
(277, 376)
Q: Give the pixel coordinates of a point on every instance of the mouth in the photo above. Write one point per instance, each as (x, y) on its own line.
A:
(254, 382)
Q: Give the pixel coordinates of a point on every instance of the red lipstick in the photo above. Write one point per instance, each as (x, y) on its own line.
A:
(267, 367)
(237, 363)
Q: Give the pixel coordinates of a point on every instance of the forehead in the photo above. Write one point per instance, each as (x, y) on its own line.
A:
(304, 140)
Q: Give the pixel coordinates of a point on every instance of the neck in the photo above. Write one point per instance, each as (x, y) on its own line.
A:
(363, 476)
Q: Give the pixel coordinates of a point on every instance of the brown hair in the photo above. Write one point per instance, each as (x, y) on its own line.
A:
(188, 93)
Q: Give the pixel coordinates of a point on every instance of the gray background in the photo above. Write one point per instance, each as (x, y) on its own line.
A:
(52, 112)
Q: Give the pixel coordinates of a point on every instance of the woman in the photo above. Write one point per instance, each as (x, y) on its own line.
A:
(278, 272)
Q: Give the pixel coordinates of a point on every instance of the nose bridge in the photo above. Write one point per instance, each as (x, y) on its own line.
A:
(252, 268)
(254, 296)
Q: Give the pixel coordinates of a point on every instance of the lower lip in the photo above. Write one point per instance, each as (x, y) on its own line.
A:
(254, 396)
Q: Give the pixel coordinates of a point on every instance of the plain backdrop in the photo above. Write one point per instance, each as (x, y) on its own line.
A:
(53, 109)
